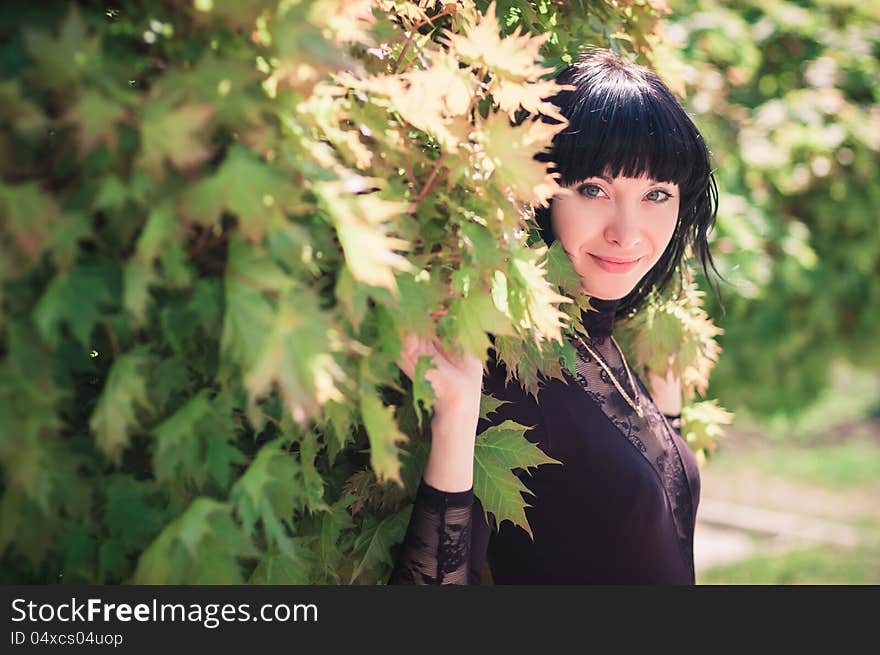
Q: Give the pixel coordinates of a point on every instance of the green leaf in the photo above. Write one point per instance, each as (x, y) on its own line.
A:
(422, 390)
(294, 355)
(194, 444)
(313, 482)
(333, 522)
(499, 449)
(62, 62)
(472, 318)
(79, 298)
(361, 223)
(115, 415)
(18, 112)
(560, 271)
(255, 192)
(490, 404)
(132, 511)
(177, 135)
(95, 118)
(202, 546)
(294, 566)
(28, 216)
(531, 297)
(269, 491)
(372, 548)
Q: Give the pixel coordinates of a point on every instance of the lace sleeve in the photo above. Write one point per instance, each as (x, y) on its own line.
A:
(436, 547)
(448, 534)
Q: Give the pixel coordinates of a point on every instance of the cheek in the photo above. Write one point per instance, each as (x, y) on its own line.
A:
(662, 231)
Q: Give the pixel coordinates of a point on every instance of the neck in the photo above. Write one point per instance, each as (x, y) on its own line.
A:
(600, 323)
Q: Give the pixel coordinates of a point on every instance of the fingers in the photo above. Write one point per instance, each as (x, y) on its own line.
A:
(412, 349)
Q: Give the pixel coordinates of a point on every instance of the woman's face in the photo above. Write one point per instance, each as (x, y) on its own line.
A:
(621, 219)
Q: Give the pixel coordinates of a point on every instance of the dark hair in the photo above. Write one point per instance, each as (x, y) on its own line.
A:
(624, 121)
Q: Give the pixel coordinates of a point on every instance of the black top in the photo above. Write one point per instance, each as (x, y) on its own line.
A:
(620, 509)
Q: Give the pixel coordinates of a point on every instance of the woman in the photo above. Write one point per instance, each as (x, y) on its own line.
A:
(621, 508)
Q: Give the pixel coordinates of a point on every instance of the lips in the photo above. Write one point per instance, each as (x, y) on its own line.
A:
(615, 265)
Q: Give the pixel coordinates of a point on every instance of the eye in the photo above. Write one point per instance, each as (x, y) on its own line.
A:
(658, 195)
(590, 190)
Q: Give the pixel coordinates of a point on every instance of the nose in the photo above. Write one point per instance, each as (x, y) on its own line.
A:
(623, 229)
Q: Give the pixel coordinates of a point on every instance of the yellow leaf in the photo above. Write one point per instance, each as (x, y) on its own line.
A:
(361, 221)
(508, 155)
(513, 57)
(532, 298)
(384, 436)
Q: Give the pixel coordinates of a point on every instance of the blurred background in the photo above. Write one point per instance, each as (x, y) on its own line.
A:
(787, 94)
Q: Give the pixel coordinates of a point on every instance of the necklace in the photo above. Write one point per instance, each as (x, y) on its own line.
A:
(635, 405)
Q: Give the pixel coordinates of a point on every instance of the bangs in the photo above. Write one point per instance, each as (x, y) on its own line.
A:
(621, 126)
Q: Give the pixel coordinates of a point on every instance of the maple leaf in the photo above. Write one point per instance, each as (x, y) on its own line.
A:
(361, 222)
(498, 450)
(132, 511)
(95, 118)
(514, 57)
(115, 415)
(18, 113)
(201, 546)
(78, 297)
(422, 390)
(245, 186)
(61, 62)
(28, 217)
(231, 87)
(269, 491)
(531, 96)
(313, 482)
(561, 272)
(178, 135)
(384, 436)
(434, 100)
(471, 318)
(333, 523)
(490, 404)
(373, 544)
(294, 566)
(249, 315)
(701, 425)
(292, 354)
(508, 156)
(525, 361)
(194, 443)
(531, 298)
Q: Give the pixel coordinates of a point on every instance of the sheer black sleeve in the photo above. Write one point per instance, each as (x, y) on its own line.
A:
(436, 547)
(448, 534)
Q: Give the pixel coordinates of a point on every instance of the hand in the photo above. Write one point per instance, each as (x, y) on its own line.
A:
(457, 380)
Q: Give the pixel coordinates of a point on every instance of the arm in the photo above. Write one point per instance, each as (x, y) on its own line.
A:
(447, 538)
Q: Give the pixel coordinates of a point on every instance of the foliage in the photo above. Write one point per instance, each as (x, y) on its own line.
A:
(217, 221)
(788, 96)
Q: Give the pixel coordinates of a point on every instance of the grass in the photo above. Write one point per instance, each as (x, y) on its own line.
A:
(842, 466)
(849, 467)
(814, 565)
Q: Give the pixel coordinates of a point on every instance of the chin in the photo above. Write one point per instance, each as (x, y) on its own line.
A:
(609, 293)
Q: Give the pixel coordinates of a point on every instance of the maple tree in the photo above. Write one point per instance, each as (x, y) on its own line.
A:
(218, 220)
